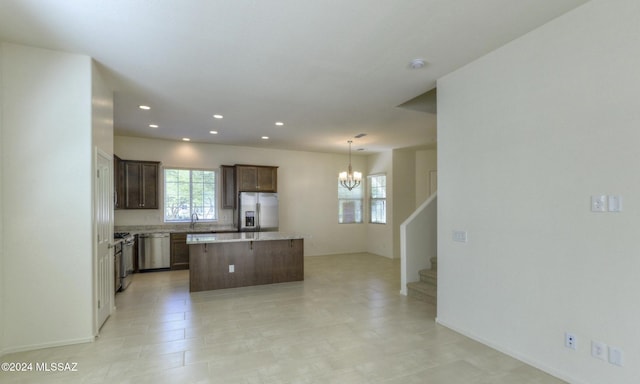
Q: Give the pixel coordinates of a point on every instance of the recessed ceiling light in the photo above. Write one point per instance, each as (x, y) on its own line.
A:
(213, 132)
(145, 107)
(186, 139)
(279, 123)
(218, 116)
(417, 63)
(265, 137)
(153, 125)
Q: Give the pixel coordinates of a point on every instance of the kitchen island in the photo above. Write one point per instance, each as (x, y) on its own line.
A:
(229, 260)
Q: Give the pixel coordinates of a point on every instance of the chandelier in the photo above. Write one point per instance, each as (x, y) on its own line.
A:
(350, 179)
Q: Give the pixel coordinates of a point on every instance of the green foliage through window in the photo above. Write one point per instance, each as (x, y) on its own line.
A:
(188, 191)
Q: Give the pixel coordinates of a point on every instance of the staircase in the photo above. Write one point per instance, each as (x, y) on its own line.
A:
(427, 288)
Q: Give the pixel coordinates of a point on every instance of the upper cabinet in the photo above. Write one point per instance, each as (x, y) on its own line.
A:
(256, 178)
(118, 182)
(141, 184)
(228, 186)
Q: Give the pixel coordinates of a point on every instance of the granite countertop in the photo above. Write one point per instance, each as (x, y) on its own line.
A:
(208, 238)
(175, 228)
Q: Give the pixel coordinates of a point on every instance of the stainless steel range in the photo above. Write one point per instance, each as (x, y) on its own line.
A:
(126, 263)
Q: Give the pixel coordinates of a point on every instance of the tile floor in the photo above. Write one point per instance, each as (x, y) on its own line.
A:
(346, 323)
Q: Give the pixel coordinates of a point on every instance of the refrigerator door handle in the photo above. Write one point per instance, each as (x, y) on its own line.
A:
(258, 217)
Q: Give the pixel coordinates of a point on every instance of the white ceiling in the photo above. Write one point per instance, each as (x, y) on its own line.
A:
(328, 69)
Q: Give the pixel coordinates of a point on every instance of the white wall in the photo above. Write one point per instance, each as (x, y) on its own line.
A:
(307, 187)
(525, 136)
(419, 234)
(403, 192)
(102, 110)
(426, 161)
(46, 197)
(3, 310)
(380, 236)
(407, 172)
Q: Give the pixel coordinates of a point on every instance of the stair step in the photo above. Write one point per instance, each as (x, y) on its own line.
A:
(423, 291)
(429, 276)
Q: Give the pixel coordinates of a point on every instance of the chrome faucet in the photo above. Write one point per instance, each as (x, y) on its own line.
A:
(194, 218)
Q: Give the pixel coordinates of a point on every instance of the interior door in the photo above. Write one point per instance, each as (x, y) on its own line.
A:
(103, 214)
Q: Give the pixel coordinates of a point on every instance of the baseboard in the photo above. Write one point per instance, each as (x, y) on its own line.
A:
(33, 347)
(525, 359)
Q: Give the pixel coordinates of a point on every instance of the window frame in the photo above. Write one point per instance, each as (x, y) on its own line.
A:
(373, 199)
(216, 205)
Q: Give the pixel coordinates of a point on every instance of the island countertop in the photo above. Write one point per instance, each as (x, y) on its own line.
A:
(209, 238)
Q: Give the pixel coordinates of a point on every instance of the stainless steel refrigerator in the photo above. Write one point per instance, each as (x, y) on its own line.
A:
(258, 211)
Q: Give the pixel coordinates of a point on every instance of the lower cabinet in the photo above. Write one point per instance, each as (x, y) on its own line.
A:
(179, 251)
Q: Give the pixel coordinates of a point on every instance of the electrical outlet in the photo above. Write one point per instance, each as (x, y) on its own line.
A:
(570, 340)
(599, 203)
(599, 350)
(615, 356)
(232, 268)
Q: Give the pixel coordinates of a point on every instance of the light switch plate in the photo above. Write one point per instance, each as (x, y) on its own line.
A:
(616, 356)
(460, 236)
(614, 203)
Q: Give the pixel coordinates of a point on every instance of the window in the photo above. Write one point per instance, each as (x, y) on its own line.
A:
(378, 199)
(349, 205)
(188, 191)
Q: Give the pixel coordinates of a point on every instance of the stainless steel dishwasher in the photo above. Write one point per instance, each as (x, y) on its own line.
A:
(153, 251)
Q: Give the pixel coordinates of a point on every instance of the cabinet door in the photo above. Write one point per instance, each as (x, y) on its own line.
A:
(228, 187)
(257, 178)
(141, 185)
(132, 185)
(247, 178)
(267, 179)
(179, 251)
(118, 183)
(149, 182)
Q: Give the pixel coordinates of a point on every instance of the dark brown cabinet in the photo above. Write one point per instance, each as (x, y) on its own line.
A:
(179, 251)
(228, 186)
(141, 184)
(118, 182)
(251, 178)
(244, 263)
(279, 261)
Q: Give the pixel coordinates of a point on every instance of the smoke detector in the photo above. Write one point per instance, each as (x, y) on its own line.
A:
(417, 63)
